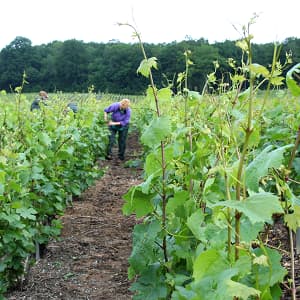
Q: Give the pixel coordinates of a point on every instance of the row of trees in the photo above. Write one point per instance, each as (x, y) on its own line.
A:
(75, 66)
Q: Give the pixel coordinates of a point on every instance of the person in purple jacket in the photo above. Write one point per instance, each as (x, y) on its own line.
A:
(119, 124)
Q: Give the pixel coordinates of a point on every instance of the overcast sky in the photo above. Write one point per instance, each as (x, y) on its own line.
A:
(158, 21)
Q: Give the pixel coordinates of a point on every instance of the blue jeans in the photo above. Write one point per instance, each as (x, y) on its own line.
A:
(122, 132)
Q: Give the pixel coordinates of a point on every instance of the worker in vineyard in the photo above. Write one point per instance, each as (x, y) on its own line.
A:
(71, 106)
(42, 97)
(118, 124)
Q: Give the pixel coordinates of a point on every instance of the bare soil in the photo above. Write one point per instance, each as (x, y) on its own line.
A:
(90, 259)
(277, 237)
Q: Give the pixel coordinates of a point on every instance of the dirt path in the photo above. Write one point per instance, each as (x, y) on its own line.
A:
(91, 259)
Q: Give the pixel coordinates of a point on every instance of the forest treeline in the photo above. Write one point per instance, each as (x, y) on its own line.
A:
(76, 66)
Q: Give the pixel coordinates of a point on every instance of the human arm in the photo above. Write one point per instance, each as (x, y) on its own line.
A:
(105, 116)
(110, 109)
(110, 123)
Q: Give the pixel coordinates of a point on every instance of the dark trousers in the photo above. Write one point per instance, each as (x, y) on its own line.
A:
(122, 136)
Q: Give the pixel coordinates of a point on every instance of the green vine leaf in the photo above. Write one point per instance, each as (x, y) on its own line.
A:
(27, 213)
(258, 69)
(242, 44)
(144, 246)
(277, 80)
(209, 263)
(146, 65)
(244, 95)
(258, 207)
(137, 202)
(13, 219)
(150, 285)
(158, 130)
(153, 164)
(259, 167)
(292, 84)
(44, 139)
(274, 272)
(164, 94)
(176, 202)
(240, 291)
(293, 220)
(249, 231)
(194, 223)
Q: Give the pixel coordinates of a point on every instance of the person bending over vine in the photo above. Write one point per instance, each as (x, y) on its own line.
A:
(120, 113)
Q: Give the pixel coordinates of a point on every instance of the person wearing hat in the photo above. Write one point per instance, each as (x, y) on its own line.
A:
(43, 96)
(118, 125)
